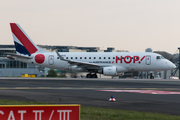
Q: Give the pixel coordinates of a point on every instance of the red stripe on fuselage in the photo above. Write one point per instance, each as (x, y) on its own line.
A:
(22, 38)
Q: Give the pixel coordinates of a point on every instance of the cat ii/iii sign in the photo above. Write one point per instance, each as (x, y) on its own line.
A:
(39, 112)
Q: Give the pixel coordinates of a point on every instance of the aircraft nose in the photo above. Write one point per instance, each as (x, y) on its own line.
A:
(172, 65)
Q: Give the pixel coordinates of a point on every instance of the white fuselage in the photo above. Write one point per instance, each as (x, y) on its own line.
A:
(107, 63)
(123, 61)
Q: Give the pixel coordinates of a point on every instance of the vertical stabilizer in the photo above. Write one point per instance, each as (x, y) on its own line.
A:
(23, 43)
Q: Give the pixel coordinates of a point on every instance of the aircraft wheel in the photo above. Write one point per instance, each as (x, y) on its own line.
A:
(88, 76)
(94, 76)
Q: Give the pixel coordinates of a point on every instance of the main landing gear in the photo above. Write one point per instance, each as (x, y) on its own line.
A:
(91, 76)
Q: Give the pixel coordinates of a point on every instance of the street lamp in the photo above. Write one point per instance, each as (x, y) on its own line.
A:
(179, 62)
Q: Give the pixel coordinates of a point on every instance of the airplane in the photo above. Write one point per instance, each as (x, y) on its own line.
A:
(106, 63)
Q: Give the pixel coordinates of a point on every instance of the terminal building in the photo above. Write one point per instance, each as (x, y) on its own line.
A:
(10, 67)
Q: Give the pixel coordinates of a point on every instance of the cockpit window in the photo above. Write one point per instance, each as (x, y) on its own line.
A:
(158, 57)
(162, 57)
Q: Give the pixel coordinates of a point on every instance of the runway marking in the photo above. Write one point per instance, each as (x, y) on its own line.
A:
(29, 88)
(143, 91)
(107, 89)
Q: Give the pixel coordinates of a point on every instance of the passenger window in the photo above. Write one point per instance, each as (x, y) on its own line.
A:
(108, 57)
(71, 57)
(66, 57)
(99, 57)
(104, 57)
(80, 57)
(89, 57)
(76, 58)
(84, 57)
(94, 57)
(113, 57)
(57, 57)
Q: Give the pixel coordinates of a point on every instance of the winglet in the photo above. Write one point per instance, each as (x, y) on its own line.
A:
(59, 56)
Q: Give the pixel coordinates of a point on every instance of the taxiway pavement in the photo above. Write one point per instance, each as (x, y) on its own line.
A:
(131, 94)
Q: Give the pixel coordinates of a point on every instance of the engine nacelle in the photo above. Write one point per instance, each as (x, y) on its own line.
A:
(109, 71)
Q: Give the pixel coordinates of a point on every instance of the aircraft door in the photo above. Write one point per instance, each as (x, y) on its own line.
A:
(148, 60)
(51, 59)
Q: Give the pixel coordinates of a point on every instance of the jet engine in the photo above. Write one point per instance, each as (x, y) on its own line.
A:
(109, 71)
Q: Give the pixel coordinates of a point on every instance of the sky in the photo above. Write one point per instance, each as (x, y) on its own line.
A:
(132, 25)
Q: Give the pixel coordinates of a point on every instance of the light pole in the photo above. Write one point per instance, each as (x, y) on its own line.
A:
(179, 62)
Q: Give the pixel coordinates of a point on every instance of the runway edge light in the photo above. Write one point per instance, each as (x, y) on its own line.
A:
(112, 99)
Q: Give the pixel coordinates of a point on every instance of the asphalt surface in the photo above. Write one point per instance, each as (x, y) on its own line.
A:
(87, 92)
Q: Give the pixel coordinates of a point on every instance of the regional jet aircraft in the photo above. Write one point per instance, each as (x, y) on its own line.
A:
(107, 63)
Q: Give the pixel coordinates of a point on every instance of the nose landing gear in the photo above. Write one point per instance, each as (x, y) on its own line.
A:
(151, 76)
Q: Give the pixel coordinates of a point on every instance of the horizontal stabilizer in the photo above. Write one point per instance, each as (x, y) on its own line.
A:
(12, 55)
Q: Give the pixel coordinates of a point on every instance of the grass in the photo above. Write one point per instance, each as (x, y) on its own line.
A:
(90, 113)
(13, 102)
(93, 113)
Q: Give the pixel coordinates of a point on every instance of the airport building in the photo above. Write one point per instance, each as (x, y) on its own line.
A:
(10, 67)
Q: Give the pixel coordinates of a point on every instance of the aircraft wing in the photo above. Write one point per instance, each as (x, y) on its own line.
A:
(83, 64)
(78, 63)
(12, 55)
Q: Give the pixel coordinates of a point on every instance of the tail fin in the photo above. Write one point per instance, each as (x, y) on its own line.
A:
(23, 43)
